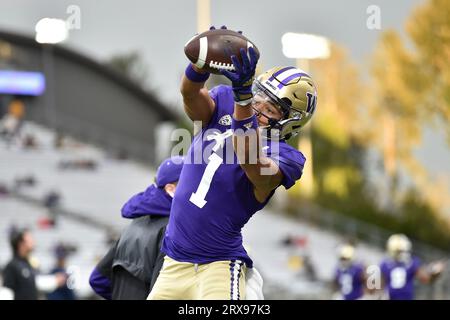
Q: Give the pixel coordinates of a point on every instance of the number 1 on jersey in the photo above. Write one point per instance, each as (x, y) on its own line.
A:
(198, 197)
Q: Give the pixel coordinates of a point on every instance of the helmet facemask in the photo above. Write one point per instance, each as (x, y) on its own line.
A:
(276, 128)
(402, 256)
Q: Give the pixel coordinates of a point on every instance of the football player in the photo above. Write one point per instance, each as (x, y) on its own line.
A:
(350, 275)
(400, 269)
(216, 196)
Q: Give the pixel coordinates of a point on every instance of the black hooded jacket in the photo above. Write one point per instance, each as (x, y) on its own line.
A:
(131, 267)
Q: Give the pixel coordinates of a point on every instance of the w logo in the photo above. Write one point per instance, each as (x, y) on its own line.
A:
(312, 101)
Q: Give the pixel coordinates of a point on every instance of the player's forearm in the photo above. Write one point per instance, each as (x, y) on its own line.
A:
(428, 274)
(247, 150)
(261, 170)
(197, 103)
(190, 89)
(264, 175)
(247, 147)
(242, 112)
(423, 276)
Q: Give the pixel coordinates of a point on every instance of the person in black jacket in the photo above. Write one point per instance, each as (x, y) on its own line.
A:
(131, 267)
(20, 275)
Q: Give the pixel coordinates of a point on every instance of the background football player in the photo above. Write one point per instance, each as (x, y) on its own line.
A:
(401, 268)
(350, 276)
(205, 258)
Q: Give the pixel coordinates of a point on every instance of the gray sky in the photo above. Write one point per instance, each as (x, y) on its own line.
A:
(159, 30)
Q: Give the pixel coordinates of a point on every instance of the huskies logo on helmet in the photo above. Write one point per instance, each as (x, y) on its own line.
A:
(312, 101)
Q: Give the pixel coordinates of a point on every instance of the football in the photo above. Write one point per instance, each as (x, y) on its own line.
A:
(212, 49)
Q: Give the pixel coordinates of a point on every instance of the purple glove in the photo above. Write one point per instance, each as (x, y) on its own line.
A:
(243, 76)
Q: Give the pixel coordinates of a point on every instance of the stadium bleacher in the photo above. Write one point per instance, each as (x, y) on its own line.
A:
(98, 194)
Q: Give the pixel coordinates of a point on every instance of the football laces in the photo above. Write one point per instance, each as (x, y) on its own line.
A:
(221, 66)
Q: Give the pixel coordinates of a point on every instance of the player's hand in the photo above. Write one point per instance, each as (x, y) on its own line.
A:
(214, 28)
(245, 71)
(222, 27)
(436, 268)
(243, 76)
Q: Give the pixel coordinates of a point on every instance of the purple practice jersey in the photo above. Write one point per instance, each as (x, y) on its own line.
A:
(351, 281)
(399, 278)
(214, 198)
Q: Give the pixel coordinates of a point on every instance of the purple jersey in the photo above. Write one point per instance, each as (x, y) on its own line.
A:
(399, 278)
(351, 281)
(214, 198)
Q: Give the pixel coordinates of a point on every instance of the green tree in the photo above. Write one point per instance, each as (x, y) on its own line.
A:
(411, 89)
(429, 30)
(349, 122)
(338, 134)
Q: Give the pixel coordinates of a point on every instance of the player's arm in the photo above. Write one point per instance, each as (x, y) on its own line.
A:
(100, 279)
(198, 105)
(423, 276)
(262, 171)
(430, 272)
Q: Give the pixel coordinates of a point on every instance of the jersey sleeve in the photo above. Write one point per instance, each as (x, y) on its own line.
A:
(290, 162)
(223, 101)
(100, 284)
(214, 93)
(100, 279)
